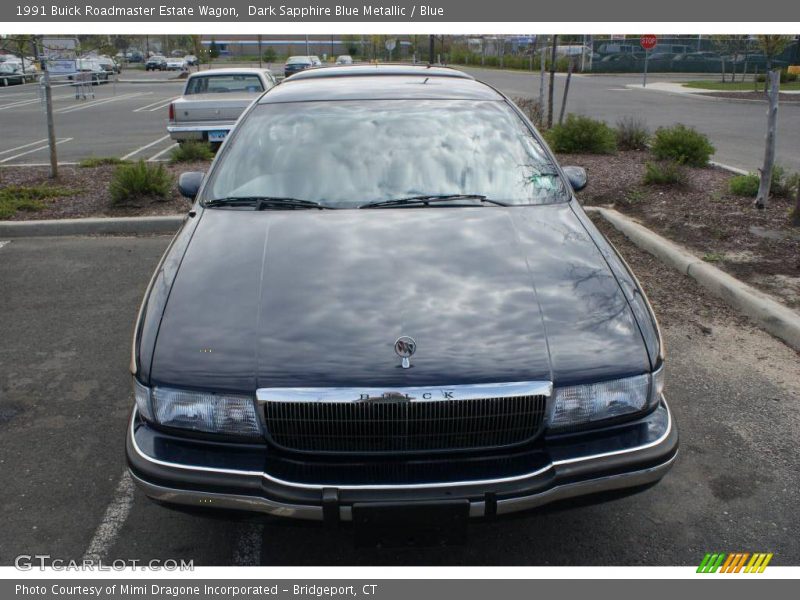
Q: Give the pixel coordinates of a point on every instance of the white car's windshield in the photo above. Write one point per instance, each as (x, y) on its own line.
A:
(345, 154)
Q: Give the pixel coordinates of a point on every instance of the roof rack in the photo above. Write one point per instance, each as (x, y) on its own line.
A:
(368, 70)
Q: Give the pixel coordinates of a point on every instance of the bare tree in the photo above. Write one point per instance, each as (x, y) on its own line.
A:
(774, 79)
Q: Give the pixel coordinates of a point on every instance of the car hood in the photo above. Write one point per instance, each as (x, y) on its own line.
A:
(318, 298)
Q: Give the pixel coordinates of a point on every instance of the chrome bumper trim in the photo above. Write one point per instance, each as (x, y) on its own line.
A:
(201, 127)
(227, 501)
(477, 509)
(320, 486)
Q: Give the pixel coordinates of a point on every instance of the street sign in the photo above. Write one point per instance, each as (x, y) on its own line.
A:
(391, 44)
(649, 41)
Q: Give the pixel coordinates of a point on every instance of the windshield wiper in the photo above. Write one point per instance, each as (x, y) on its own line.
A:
(266, 202)
(430, 199)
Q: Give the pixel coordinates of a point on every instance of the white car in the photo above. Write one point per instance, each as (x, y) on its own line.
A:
(176, 64)
(212, 102)
(344, 59)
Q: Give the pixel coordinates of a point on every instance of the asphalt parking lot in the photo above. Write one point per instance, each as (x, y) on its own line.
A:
(128, 119)
(67, 306)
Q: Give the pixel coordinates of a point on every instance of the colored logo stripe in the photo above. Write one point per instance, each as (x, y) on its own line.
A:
(734, 562)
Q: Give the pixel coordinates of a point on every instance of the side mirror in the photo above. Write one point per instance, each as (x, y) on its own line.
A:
(189, 183)
(577, 177)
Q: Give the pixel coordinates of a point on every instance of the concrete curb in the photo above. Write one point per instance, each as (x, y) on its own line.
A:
(771, 315)
(58, 227)
(730, 169)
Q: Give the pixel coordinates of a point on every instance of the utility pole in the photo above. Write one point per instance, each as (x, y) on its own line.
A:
(431, 49)
(308, 52)
(259, 51)
(48, 105)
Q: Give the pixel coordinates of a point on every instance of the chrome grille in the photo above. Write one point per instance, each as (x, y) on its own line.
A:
(416, 424)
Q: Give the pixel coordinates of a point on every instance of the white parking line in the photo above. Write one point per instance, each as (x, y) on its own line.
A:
(116, 514)
(160, 152)
(23, 146)
(247, 550)
(145, 147)
(153, 106)
(61, 141)
(3, 243)
(29, 102)
(93, 103)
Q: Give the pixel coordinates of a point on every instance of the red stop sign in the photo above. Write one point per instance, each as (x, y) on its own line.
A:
(648, 41)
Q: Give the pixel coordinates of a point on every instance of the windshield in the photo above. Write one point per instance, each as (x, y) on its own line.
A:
(223, 83)
(298, 60)
(345, 154)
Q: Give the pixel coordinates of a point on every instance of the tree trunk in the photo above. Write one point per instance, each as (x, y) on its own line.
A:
(796, 213)
(552, 83)
(774, 79)
(566, 92)
(542, 60)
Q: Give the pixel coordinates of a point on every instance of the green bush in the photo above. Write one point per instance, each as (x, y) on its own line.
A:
(782, 185)
(632, 134)
(744, 185)
(28, 197)
(786, 77)
(666, 172)
(140, 181)
(88, 163)
(582, 134)
(682, 144)
(192, 151)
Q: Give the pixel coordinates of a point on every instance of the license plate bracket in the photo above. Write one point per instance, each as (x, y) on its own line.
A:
(392, 524)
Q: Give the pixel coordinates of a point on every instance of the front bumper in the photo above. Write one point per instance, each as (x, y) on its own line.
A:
(176, 470)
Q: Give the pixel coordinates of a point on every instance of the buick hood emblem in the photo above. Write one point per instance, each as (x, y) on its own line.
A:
(405, 347)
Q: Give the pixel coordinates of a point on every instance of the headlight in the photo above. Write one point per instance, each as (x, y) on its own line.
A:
(230, 414)
(578, 405)
(142, 395)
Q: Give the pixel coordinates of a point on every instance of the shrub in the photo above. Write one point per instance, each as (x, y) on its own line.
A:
(28, 197)
(140, 181)
(531, 109)
(744, 185)
(582, 134)
(666, 172)
(682, 144)
(192, 151)
(632, 134)
(782, 185)
(88, 163)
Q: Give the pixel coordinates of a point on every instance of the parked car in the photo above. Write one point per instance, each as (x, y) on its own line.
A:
(91, 69)
(212, 101)
(315, 61)
(108, 64)
(156, 63)
(191, 60)
(11, 74)
(698, 57)
(176, 64)
(344, 59)
(425, 321)
(295, 64)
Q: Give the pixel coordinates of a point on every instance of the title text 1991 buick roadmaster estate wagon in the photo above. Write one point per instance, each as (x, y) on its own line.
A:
(424, 322)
